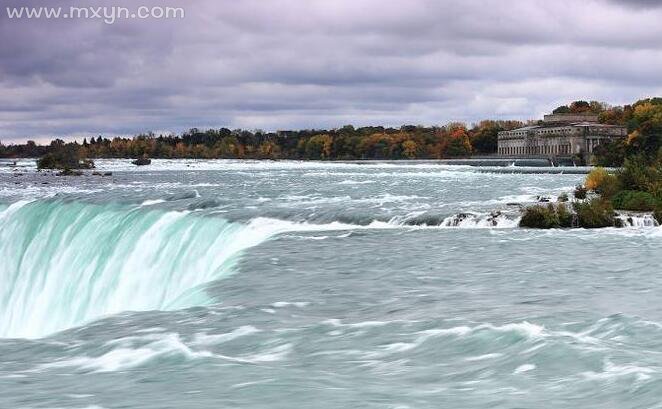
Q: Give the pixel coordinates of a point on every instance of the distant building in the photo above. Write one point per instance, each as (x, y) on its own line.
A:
(559, 135)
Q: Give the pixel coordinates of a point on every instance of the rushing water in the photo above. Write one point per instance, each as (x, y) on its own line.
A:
(208, 284)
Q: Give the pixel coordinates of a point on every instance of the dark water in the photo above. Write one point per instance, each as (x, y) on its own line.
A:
(282, 284)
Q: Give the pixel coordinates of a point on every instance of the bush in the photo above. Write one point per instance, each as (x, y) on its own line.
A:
(609, 187)
(634, 200)
(563, 197)
(636, 174)
(565, 215)
(547, 217)
(67, 157)
(540, 217)
(47, 161)
(595, 178)
(602, 182)
(580, 192)
(594, 213)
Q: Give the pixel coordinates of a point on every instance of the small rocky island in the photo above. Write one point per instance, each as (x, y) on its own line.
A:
(142, 161)
(67, 160)
(606, 199)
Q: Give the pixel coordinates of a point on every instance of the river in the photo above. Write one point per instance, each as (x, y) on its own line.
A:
(261, 284)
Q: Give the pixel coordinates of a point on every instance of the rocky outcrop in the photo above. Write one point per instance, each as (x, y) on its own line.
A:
(142, 161)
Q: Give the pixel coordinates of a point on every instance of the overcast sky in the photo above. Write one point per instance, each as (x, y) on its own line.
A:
(281, 64)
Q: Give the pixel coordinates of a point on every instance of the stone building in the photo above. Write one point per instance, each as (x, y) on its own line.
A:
(559, 135)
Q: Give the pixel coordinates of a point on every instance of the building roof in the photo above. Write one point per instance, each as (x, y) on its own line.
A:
(566, 125)
(596, 124)
(571, 117)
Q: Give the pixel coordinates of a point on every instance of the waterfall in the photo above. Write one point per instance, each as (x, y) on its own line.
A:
(65, 263)
(630, 219)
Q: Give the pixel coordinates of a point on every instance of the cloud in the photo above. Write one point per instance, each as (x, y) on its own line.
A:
(276, 64)
(638, 3)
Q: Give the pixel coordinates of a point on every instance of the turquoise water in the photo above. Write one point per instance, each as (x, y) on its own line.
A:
(205, 284)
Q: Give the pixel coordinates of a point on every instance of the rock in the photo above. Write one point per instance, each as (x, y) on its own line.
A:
(69, 172)
(458, 219)
(493, 218)
(107, 173)
(142, 161)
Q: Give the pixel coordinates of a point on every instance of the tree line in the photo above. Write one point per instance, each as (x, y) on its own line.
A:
(348, 142)
(643, 119)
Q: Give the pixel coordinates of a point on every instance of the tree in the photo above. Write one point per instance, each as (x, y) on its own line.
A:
(459, 144)
(484, 138)
(318, 147)
(410, 149)
(580, 107)
(610, 154)
(563, 109)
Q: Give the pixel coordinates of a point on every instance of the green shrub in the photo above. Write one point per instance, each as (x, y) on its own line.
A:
(565, 215)
(594, 213)
(634, 200)
(549, 216)
(637, 174)
(66, 157)
(540, 217)
(48, 161)
(580, 192)
(609, 187)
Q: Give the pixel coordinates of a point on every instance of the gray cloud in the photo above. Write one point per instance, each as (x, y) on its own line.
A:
(638, 3)
(275, 64)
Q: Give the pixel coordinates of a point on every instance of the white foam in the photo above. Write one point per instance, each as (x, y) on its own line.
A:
(214, 339)
(356, 182)
(611, 372)
(338, 323)
(525, 328)
(525, 368)
(119, 359)
(125, 358)
(483, 357)
(481, 221)
(237, 165)
(420, 338)
(298, 304)
(151, 202)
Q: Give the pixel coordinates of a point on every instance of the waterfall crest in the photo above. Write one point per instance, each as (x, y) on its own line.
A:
(65, 263)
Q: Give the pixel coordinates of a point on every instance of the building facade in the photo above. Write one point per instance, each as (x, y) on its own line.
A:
(559, 135)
